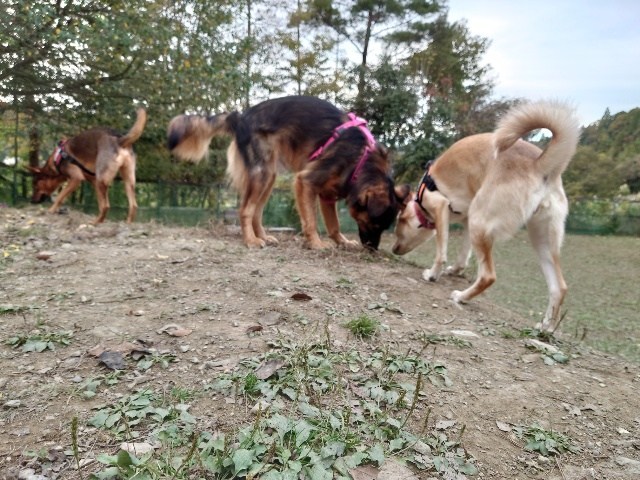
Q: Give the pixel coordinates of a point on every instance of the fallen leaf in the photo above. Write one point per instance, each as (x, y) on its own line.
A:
(505, 427)
(364, 472)
(113, 360)
(268, 368)
(137, 448)
(444, 424)
(254, 329)
(174, 330)
(300, 296)
(44, 255)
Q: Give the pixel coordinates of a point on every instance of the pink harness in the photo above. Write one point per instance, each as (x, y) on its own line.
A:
(354, 121)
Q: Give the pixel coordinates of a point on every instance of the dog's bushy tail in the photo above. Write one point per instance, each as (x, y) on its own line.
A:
(189, 136)
(136, 131)
(555, 116)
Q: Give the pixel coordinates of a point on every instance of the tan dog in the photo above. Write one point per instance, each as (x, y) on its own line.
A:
(96, 156)
(494, 183)
(332, 153)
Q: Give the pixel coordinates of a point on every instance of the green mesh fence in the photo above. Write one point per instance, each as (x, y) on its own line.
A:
(191, 205)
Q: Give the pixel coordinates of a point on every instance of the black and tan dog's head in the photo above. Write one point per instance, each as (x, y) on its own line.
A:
(47, 179)
(374, 206)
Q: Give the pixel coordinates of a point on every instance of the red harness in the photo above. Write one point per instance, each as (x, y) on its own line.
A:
(354, 121)
(421, 212)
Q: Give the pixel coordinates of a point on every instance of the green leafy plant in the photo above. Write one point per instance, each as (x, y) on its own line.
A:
(546, 442)
(363, 326)
(40, 341)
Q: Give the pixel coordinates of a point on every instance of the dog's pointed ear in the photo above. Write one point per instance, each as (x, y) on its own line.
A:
(403, 194)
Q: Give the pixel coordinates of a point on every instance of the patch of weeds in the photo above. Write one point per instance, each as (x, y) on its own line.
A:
(9, 251)
(40, 341)
(59, 297)
(89, 388)
(9, 309)
(550, 353)
(131, 411)
(434, 338)
(363, 327)
(537, 334)
(323, 417)
(182, 395)
(344, 283)
(545, 442)
(371, 398)
(148, 361)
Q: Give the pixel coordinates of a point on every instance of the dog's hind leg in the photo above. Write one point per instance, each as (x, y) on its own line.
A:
(464, 254)
(546, 233)
(257, 224)
(128, 174)
(250, 209)
(482, 245)
(102, 192)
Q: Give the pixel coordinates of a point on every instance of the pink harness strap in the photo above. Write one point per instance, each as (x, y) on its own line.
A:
(354, 121)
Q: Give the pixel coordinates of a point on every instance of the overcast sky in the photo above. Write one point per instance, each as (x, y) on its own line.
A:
(586, 52)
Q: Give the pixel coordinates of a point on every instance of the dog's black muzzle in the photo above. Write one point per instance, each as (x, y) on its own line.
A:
(42, 198)
(370, 238)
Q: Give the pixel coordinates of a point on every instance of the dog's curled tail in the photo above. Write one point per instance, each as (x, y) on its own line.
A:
(189, 136)
(555, 116)
(136, 131)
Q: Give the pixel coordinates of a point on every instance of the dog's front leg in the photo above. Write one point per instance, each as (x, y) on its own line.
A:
(330, 215)
(71, 186)
(440, 208)
(306, 205)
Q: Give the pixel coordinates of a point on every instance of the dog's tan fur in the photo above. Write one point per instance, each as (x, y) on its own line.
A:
(101, 152)
(493, 184)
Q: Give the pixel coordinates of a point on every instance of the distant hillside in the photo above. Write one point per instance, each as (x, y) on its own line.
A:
(608, 159)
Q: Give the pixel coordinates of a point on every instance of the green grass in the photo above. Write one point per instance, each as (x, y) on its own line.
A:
(602, 273)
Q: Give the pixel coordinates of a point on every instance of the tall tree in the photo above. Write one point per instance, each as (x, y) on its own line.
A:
(363, 22)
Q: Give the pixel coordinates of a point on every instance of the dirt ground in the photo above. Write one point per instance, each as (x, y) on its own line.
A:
(117, 282)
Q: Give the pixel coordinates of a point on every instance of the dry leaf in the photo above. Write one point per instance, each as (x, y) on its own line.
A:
(253, 329)
(502, 426)
(174, 330)
(300, 296)
(268, 368)
(44, 255)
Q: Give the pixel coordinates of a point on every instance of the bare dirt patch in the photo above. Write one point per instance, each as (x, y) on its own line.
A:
(117, 283)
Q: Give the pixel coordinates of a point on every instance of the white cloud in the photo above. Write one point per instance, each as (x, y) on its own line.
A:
(587, 53)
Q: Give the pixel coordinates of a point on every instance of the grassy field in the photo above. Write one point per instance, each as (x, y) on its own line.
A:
(602, 273)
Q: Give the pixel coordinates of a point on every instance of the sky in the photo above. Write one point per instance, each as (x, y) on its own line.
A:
(585, 52)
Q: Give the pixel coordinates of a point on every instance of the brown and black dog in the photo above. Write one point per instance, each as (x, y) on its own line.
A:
(96, 156)
(332, 153)
(494, 183)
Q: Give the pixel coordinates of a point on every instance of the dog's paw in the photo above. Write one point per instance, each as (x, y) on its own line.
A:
(454, 270)
(271, 240)
(350, 244)
(431, 275)
(319, 245)
(255, 243)
(457, 297)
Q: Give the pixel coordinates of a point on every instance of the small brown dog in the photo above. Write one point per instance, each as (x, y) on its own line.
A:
(331, 152)
(96, 156)
(494, 183)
